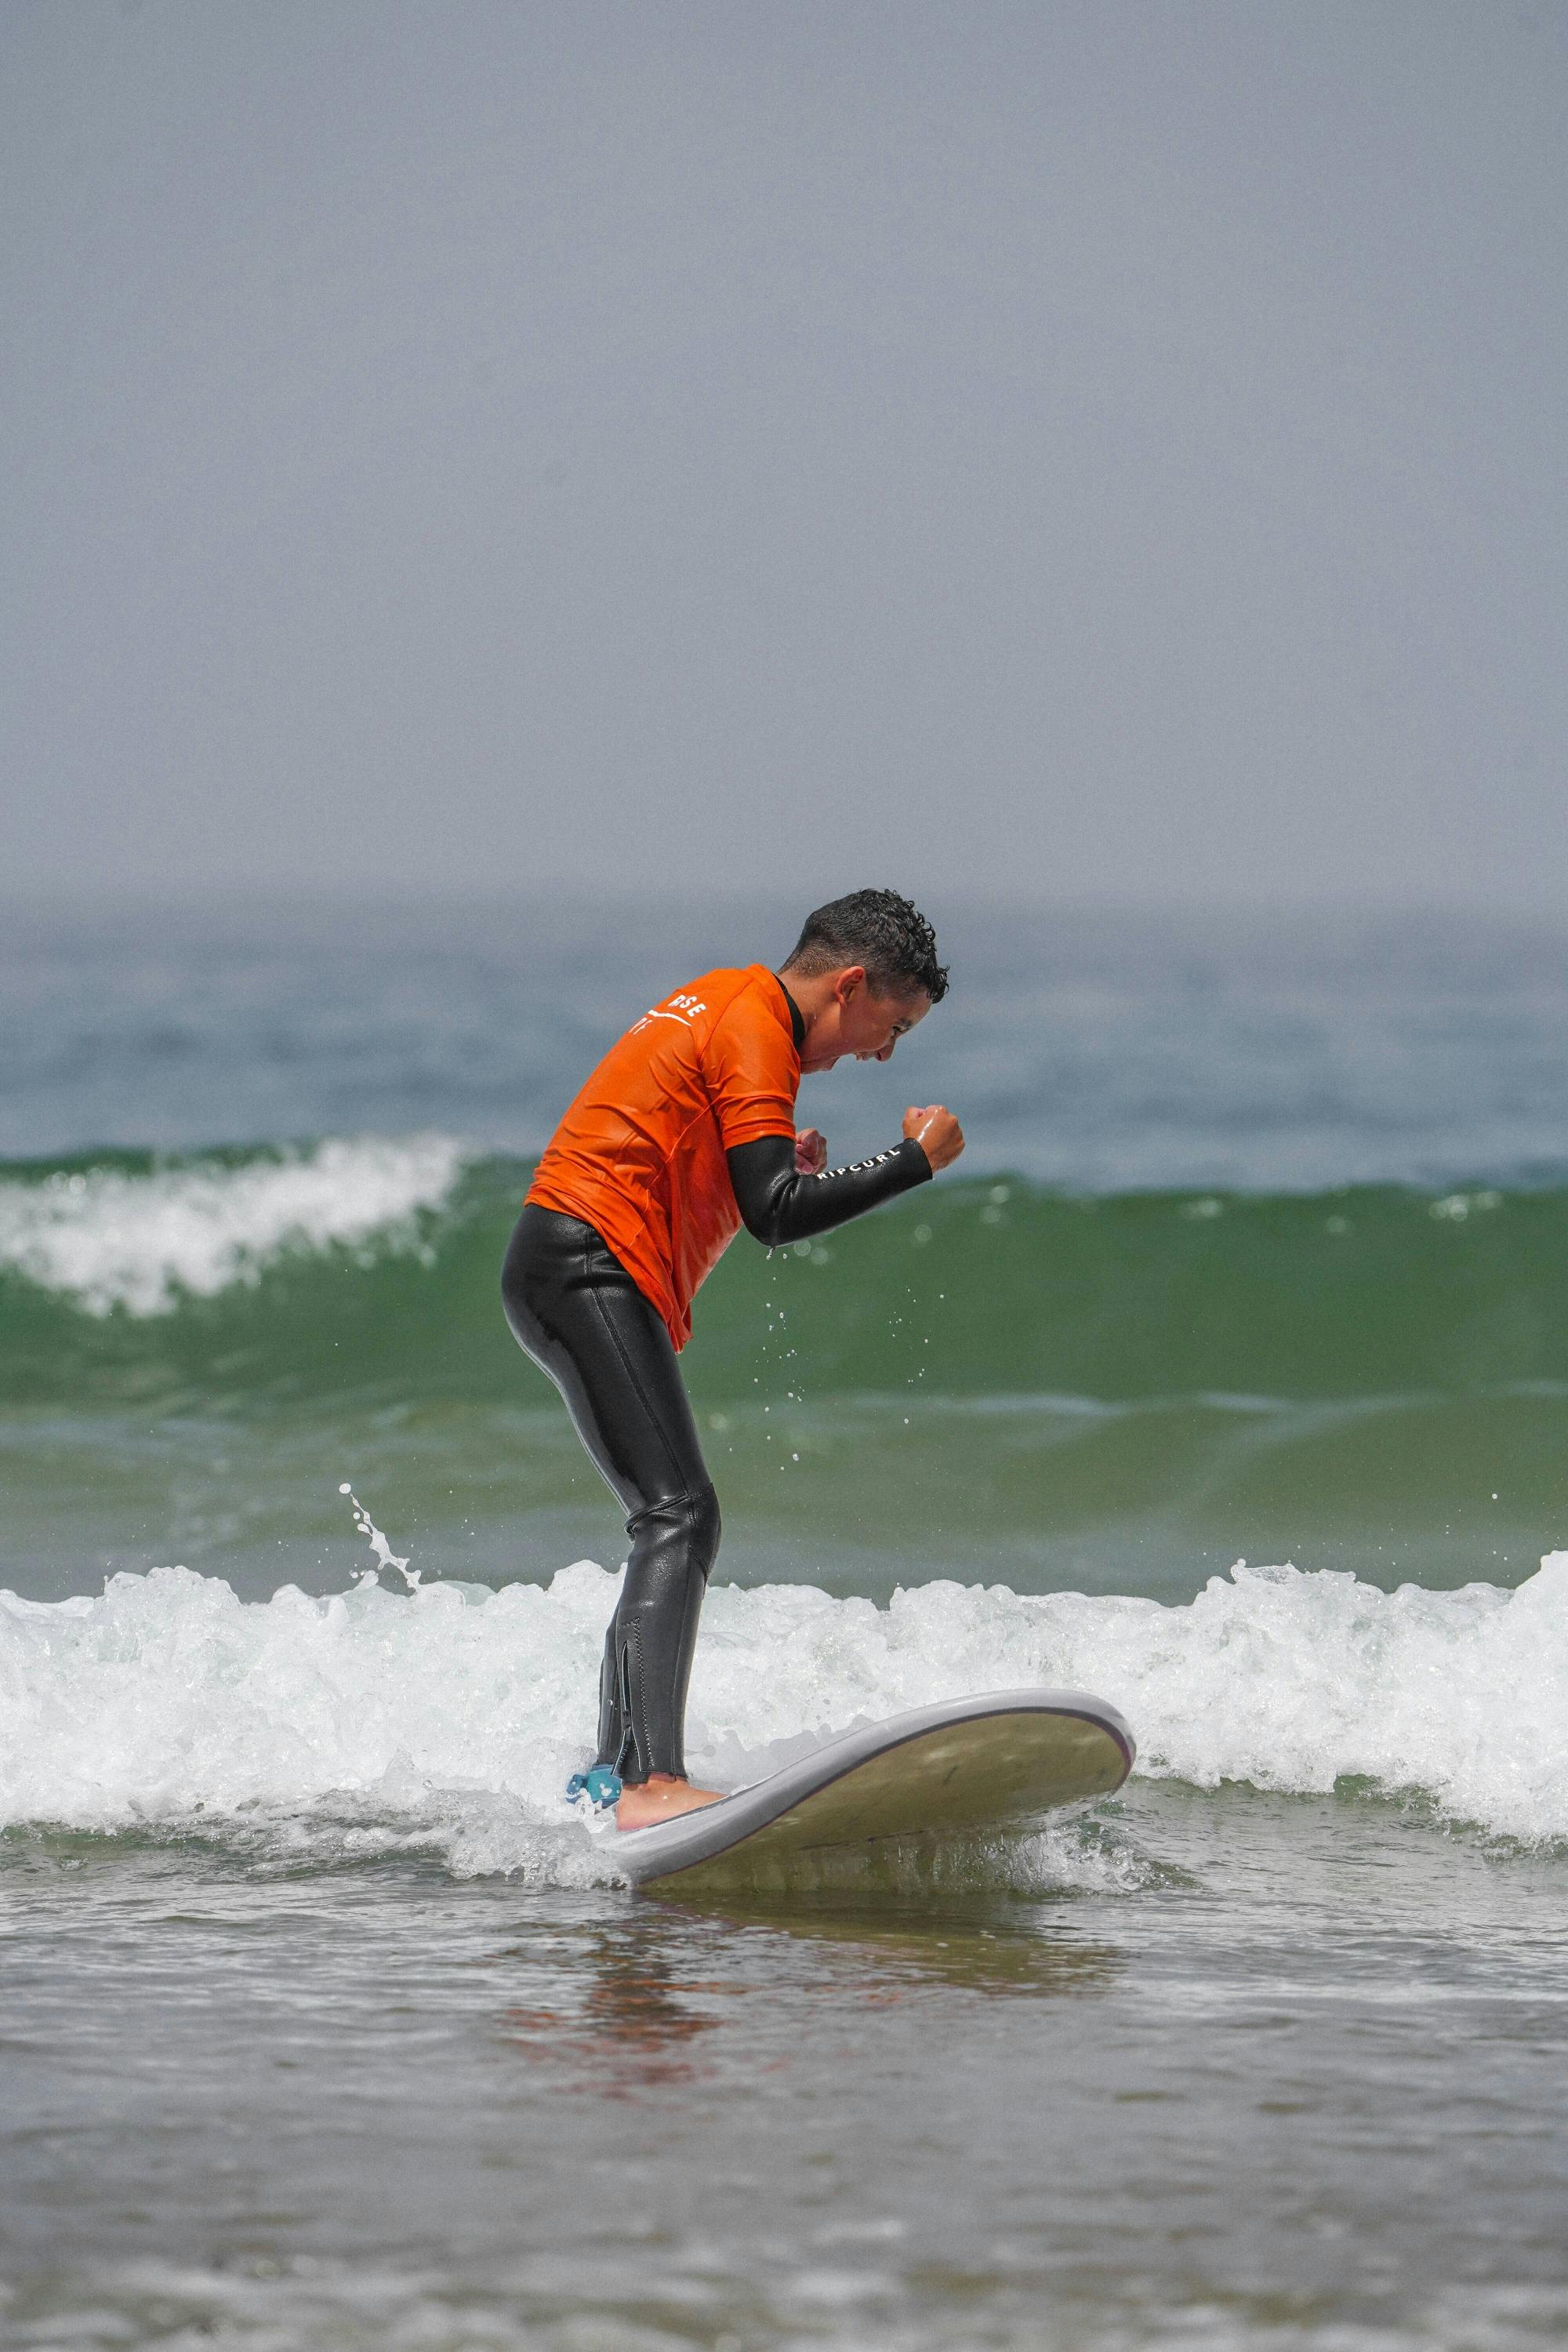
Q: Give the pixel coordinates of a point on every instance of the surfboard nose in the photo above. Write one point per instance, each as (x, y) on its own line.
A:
(987, 1772)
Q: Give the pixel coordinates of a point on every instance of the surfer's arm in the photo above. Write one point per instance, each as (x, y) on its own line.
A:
(778, 1203)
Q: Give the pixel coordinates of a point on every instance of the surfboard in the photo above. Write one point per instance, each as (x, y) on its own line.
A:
(967, 1771)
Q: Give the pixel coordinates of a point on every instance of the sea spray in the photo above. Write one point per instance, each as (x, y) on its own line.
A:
(384, 1555)
(451, 1716)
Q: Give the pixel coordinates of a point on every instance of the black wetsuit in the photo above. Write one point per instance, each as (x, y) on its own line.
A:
(581, 1317)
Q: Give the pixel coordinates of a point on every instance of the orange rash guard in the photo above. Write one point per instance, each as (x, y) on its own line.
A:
(639, 1155)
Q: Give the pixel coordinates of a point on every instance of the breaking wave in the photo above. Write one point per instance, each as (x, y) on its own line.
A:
(312, 1258)
(447, 1720)
(143, 1238)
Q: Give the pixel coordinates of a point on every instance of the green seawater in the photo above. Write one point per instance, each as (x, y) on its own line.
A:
(990, 1380)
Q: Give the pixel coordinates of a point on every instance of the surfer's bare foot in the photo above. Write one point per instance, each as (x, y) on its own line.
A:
(658, 1799)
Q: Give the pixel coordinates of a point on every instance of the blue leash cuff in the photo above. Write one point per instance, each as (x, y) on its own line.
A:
(600, 1786)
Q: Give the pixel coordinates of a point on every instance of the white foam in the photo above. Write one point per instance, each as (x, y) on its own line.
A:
(450, 1717)
(1286, 1680)
(106, 1239)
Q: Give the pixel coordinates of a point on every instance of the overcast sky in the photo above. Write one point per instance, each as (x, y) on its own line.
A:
(1089, 447)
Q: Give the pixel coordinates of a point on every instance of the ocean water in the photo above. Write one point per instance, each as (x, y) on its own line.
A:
(1226, 1377)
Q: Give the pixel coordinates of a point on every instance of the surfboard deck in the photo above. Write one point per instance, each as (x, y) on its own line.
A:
(968, 1769)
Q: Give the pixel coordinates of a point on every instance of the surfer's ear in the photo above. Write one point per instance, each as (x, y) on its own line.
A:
(849, 981)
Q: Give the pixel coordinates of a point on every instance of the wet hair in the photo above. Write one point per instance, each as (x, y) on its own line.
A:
(876, 929)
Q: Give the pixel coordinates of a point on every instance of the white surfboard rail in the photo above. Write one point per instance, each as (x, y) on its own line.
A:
(994, 1761)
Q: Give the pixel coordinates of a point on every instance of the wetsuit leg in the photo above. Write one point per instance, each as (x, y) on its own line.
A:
(578, 1313)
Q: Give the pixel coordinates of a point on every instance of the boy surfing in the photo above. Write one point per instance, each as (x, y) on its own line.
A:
(685, 1132)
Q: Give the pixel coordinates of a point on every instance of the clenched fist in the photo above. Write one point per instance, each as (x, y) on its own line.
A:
(937, 1132)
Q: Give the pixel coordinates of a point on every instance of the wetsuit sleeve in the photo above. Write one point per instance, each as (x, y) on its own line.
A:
(778, 1205)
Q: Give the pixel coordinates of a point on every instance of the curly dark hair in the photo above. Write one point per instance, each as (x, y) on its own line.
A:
(878, 930)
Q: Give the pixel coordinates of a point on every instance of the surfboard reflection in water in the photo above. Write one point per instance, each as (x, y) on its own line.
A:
(634, 2017)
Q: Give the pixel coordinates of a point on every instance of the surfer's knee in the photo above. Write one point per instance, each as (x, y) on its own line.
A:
(692, 1520)
(684, 1527)
(706, 1528)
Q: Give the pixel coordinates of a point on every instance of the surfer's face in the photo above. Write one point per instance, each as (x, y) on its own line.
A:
(861, 1020)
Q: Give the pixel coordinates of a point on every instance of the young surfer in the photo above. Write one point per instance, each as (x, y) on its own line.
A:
(685, 1132)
